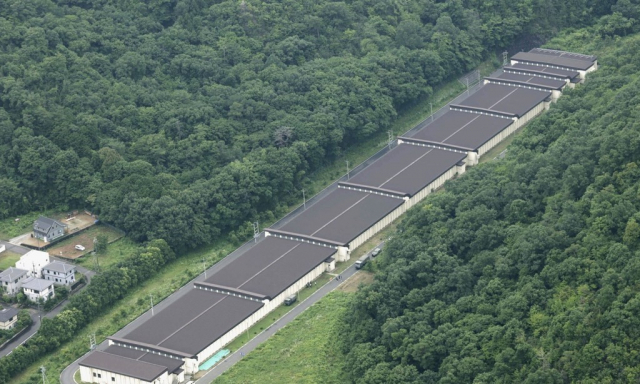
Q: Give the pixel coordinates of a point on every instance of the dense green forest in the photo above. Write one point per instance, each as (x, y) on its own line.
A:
(526, 269)
(185, 119)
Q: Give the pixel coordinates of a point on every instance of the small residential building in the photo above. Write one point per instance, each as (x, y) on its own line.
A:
(12, 279)
(33, 261)
(8, 318)
(37, 289)
(59, 272)
(47, 229)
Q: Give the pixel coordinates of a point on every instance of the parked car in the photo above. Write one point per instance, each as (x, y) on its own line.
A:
(361, 261)
(290, 300)
(375, 252)
(79, 247)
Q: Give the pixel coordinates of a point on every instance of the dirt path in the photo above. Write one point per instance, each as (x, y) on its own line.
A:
(361, 277)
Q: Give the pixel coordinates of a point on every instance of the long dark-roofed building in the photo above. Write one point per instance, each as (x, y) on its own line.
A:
(557, 60)
(168, 345)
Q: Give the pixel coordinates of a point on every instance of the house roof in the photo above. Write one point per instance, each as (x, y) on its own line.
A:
(37, 284)
(123, 365)
(7, 313)
(59, 266)
(44, 223)
(11, 274)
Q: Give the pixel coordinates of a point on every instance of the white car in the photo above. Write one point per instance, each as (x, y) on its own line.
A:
(79, 247)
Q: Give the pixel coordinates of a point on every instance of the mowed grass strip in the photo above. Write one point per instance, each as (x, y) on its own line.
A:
(304, 351)
(189, 264)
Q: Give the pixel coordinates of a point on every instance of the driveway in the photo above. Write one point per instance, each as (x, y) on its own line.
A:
(20, 239)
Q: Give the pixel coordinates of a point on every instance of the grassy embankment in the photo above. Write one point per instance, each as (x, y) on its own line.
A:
(179, 272)
(303, 351)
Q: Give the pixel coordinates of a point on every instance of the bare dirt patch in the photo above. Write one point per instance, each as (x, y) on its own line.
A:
(352, 284)
(66, 248)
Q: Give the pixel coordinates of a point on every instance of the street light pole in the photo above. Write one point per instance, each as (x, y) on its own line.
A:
(304, 200)
(348, 175)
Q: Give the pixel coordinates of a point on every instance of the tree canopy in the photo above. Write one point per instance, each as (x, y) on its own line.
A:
(184, 119)
(525, 269)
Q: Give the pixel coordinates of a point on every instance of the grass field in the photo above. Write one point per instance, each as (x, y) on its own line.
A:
(302, 352)
(178, 273)
(8, 259)
(66, 249)
(10, 228)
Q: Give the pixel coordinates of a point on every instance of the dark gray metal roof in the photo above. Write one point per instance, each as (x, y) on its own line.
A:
(170, 363)
(11, 273)
(503, 98)
(37, 284)
(408, 168)
(44, 223)
(271, 266)
(196, 320)
(7, 314)
(570, 55)
(343, 215)
(554, 71)
(123, 365)
(463, 129)
(59, 266)
(557, 84)
(543, 59)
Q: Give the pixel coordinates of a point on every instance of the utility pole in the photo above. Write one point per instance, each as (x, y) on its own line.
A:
(204, 268)
(348, 175)
(151, 297)
(256, 231)
(431, 105)
(92, 341)
(304, 200)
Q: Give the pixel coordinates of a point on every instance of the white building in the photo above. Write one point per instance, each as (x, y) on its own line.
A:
(36, 289)
(59, 272)
(33, 261)
(12, 279)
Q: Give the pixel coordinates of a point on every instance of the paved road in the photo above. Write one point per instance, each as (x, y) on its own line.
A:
(267, 333)
(15, 248)
(66, 376)
(35, 316)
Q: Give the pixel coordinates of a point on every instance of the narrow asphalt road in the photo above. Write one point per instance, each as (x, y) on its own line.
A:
(66, 376)
(35, 316)
(236, 356)
(14, 248)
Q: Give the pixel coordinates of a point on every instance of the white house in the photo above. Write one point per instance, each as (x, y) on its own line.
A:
(12, 279)
(36, 289)
(33, 261)
(59, 272)
(8, 318)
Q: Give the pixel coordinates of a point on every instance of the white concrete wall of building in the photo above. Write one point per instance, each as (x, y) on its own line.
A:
(33, 261)
(9, 324)
(86, 375)
(437, 183)
(239, 329)
(377, 227)
(33, 296)
(58, 277)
